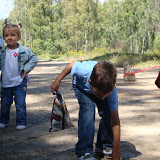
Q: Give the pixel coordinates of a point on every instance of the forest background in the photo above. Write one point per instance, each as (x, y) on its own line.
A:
(126, 30)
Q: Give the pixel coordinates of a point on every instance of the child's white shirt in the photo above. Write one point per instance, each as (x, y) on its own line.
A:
(10, 75)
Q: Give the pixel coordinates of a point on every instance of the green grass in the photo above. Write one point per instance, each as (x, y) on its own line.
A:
(146, 64)
(134, 60)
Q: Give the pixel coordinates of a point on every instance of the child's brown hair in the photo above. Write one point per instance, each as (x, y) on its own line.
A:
(103, 77)
(13, 28)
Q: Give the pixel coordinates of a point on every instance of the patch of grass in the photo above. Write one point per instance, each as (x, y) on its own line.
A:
(49, 57)
(147, 64)
(134, 60)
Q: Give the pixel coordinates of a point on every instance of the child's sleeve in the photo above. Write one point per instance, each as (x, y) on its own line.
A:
(112, 100)
(74, 68)
(32, 61)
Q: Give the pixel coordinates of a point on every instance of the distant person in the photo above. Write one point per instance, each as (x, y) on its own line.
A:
(16, 62)
(94, 83)
(1, 43)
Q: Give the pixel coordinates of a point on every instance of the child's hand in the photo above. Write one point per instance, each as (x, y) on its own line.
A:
(55, 86)
(116, 154)
(23, 74)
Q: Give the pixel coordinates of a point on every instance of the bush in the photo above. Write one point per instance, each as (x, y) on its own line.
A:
(38, 46)
(156, 43)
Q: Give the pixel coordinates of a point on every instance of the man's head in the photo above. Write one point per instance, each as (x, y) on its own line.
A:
(103, 79)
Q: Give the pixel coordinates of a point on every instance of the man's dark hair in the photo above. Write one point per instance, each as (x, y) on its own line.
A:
(103, 77)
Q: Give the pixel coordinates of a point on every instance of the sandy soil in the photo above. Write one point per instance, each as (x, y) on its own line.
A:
(139, 109)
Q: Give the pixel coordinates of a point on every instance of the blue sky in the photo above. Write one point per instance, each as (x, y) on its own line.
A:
(7, 5)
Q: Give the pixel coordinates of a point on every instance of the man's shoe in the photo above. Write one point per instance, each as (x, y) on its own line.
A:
(87, 156)
(21, 127)
(2, 125)
(107, 152)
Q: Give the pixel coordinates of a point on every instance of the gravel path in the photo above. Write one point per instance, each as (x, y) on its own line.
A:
(139, 109)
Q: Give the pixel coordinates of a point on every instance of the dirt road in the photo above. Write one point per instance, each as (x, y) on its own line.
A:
(139, 109)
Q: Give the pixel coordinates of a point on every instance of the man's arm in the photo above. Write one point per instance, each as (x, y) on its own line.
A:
(116, 133)
(56, 84)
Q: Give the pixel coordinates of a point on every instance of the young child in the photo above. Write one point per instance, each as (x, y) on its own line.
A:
(16, 62)
(94, 83)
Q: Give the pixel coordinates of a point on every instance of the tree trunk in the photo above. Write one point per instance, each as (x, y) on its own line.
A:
(86, 37)
(131, 46)
(136, 44)
(143, 47)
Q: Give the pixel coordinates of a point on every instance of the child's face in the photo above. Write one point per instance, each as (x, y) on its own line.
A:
(11, 38)
(97, 93)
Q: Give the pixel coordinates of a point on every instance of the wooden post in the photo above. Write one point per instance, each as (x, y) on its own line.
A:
(128, 69)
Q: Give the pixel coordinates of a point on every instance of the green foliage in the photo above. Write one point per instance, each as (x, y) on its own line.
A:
(138, 61)
(55, 27)
(1, 27)
(156, 44)
(37, 46)
(50, 57)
